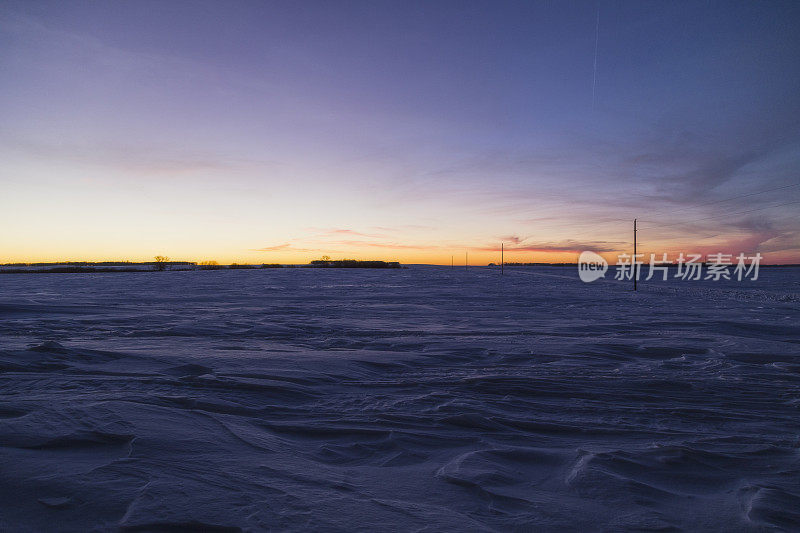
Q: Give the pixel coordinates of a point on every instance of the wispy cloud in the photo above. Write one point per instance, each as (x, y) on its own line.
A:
(131, 158)
(286, 247)
(512, 239)
(388, 245)
(348, 232)
(561, 246)
(513, 246)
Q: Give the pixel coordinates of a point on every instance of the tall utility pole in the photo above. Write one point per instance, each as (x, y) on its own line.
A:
(634, 265)
(502, 263)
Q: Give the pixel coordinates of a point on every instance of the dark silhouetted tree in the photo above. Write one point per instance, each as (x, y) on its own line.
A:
(161, 262)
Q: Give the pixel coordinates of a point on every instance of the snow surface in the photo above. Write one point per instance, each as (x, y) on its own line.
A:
(424, 399)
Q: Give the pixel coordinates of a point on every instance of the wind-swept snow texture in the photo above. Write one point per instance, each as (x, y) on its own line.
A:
(423, 399)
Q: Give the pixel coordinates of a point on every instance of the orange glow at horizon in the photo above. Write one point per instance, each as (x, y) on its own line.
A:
(476, 256)
(255, 139)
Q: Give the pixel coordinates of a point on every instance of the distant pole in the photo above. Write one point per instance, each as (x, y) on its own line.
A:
(502, 262)
(466, 260)
(451, 261)
(635, 266)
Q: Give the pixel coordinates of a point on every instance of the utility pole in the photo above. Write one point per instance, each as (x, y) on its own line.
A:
(502, 263)
(635, 265)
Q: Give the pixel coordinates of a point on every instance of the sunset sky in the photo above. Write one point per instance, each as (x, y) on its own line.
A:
(277, 132)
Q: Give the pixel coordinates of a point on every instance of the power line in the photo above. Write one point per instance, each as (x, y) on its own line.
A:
(737, 197)
(605, 220)
(722, 215)
(596, 41)
(789, 186)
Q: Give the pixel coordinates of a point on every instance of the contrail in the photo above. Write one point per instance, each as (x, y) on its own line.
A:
(596, 39)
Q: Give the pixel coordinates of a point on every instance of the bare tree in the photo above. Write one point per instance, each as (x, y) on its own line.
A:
(161, 262)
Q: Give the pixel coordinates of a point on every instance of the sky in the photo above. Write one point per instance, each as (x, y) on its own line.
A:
(279, 132)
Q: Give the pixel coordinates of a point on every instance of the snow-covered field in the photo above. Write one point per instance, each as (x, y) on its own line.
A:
(430, 399)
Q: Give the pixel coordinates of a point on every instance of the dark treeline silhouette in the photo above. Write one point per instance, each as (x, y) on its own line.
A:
(69, 270)
(100, 263)
(533, 264)
(163, 264)
(352, 263)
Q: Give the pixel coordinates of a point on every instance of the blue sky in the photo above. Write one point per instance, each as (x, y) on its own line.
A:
(281, 131)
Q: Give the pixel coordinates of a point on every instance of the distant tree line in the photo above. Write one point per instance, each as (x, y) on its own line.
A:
(352, 263)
